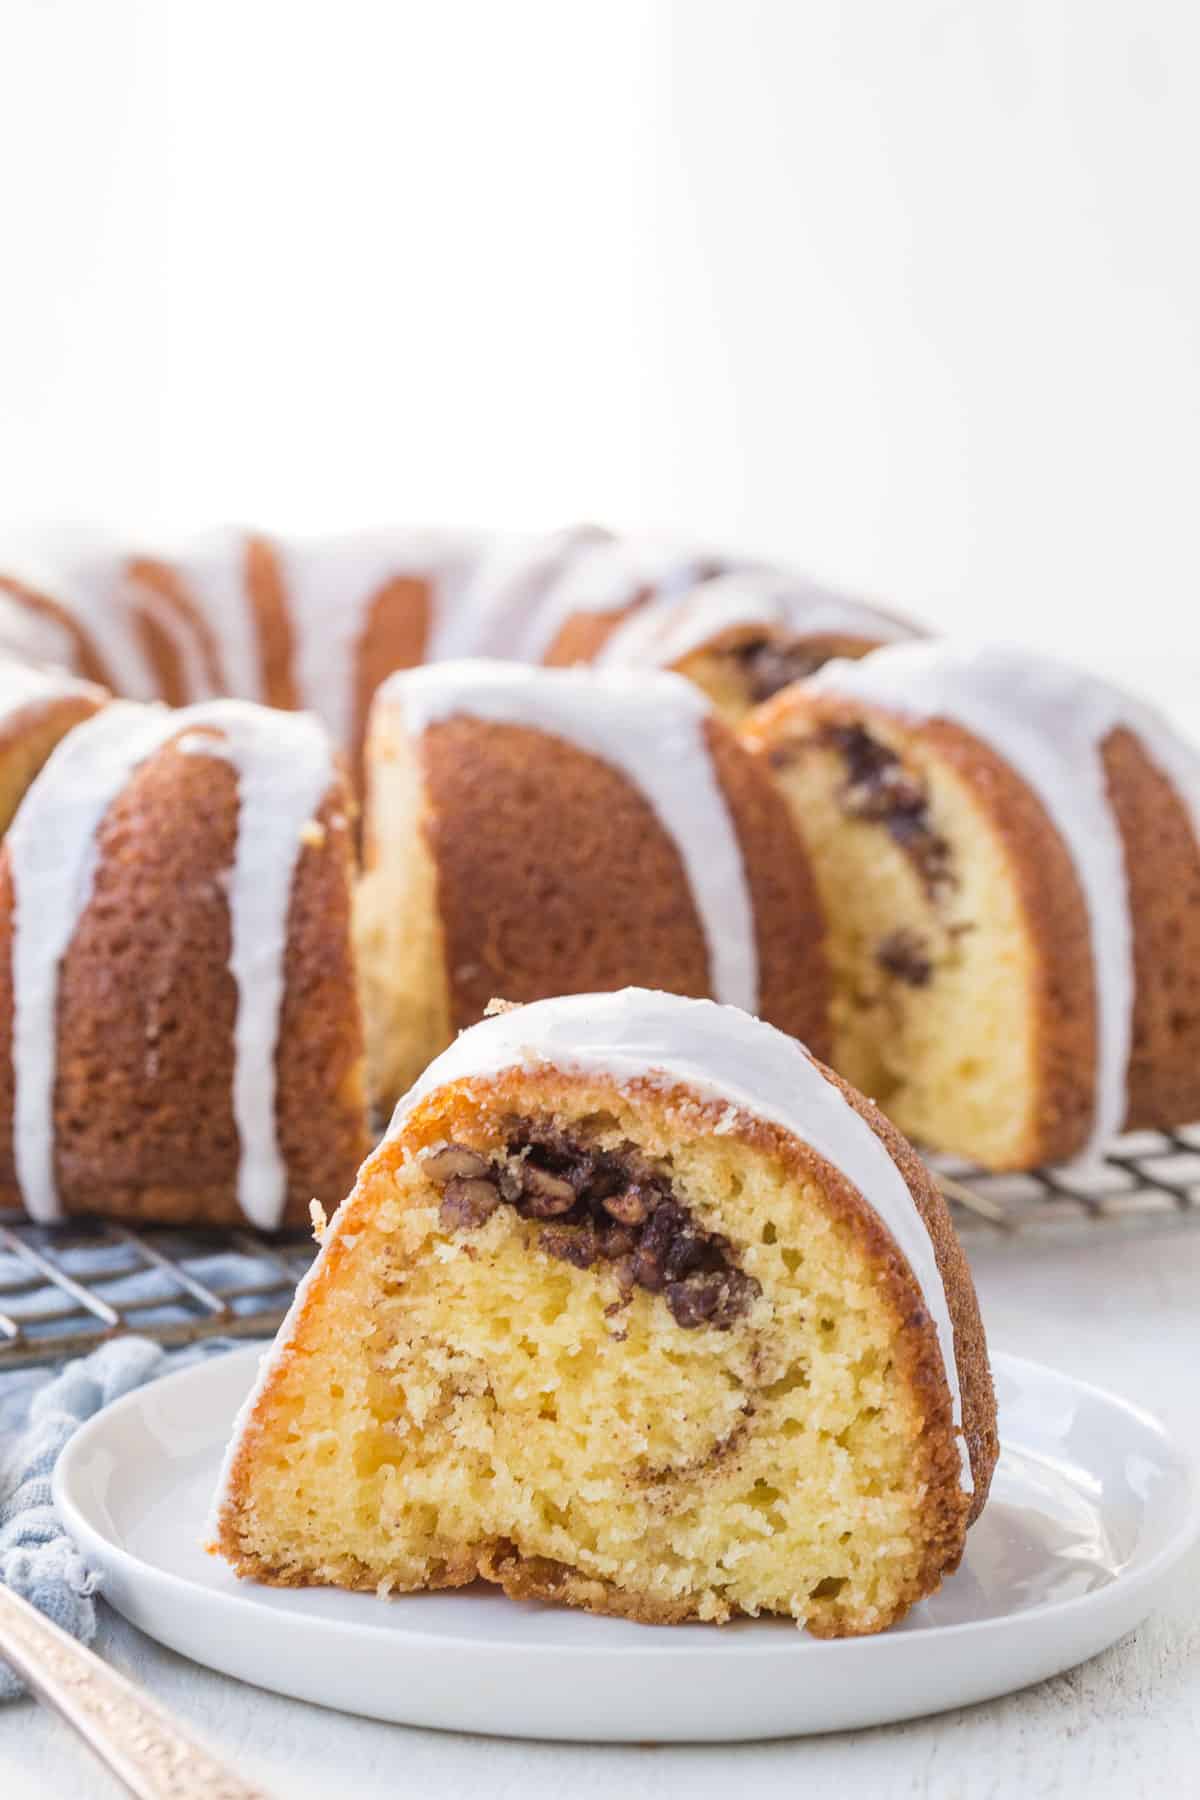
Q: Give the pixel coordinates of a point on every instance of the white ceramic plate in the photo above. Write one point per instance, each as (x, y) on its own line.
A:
(1091, 1508)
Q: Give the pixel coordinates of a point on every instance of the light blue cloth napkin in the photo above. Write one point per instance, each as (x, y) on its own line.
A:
(41, 1408)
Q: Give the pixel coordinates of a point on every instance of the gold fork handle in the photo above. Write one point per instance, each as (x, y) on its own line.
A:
(133, 1737)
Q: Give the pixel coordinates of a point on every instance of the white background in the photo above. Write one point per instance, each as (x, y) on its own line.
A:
(907, 293)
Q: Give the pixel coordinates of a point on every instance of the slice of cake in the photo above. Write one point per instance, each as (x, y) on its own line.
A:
(532, 832)
(1008, 851)
(637, 1308)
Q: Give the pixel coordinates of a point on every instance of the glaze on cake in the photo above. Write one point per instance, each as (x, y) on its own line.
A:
(742, 637)
(38, 707)
(319, 622)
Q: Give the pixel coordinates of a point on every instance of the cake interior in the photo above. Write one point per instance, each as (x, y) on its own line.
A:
(398, 935)
(475, 1395)
(931, 955)
(747, 666)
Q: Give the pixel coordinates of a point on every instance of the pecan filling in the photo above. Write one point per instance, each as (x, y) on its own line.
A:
(599, 1206)
(880, 789)
(905, 954)
(769, 664)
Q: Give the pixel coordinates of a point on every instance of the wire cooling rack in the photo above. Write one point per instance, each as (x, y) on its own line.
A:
(65, 1289)
(1146, 1181)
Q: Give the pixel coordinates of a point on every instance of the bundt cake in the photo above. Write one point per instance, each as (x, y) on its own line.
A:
(177, 988)
(637, 1308)
(743, 637)
(1009, 855)
(533, 832)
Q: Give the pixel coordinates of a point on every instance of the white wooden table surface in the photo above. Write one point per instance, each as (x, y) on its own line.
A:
(1124, 1314)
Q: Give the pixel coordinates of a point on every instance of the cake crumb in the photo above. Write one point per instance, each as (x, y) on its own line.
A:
(317, 1214)
(313, 834)
(495, 1007)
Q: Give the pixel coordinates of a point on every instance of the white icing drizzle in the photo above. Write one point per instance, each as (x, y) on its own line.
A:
(24, 684)
(284, 767)
(185, 640)
(331, 584)
(663, 633)
(90, 578)
(31, 635)
(1049, 722)
(719, 1054)
(651, 728)
(81, 572)
(97, 594)
(604, 577)
(505, 588)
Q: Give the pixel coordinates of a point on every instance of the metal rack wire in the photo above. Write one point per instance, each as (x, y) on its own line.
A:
(1146, 1181)
(65, 1289)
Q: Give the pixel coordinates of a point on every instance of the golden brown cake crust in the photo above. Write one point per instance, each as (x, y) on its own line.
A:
(268, 598)
(472, 1111)
(143, 1102)
(553, 872)
(555, 876)
(395, 634)
(1162, 863)
(27, 738)
(1064, 998)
